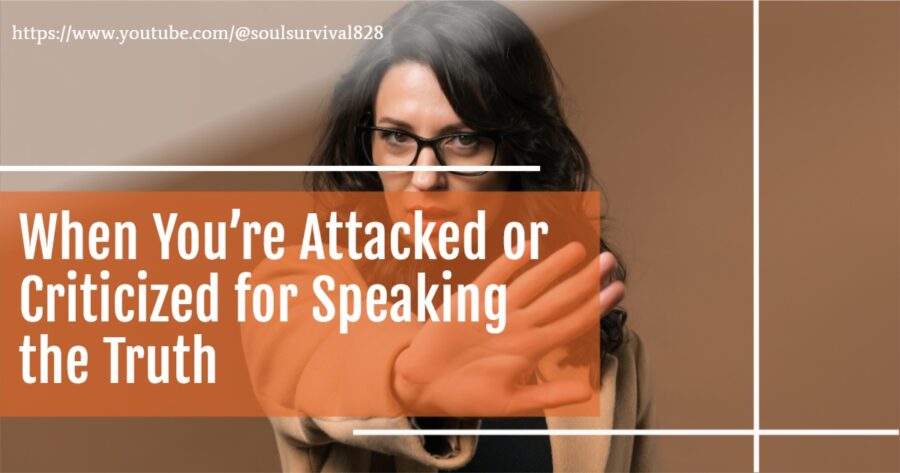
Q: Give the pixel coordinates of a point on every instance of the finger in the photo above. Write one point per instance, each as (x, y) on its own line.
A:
(502, 268)
(543, 396)
(608, 266)
(571, 293)
(611, 296)
(609, 272)
(534, 281)
(565, 296)
(540, 340)
(572, 325)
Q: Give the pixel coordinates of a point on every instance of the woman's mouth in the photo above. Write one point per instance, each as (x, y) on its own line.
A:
(431, 212)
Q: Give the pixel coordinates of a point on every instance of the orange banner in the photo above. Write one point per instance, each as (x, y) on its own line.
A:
(293, 303)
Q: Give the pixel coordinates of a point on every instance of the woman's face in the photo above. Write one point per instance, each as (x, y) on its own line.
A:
(410, 99)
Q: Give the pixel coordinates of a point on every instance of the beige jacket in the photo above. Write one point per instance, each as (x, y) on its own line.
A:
(327, 444)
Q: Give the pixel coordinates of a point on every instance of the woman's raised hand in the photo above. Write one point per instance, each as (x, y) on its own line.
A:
(462, 370)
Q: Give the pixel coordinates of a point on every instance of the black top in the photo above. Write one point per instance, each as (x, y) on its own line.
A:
(527, 453)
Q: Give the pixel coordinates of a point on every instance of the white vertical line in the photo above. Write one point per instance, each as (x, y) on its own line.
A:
(756, 423)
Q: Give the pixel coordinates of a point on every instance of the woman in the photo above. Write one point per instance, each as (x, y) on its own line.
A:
(466, 83)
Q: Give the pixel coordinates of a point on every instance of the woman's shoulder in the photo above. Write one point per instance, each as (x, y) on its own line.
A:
(634, 406)
(627, 371)
(631, 363)
(629, 347)
(632, 343)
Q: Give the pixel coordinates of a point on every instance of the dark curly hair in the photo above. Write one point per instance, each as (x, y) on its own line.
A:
(497, 76)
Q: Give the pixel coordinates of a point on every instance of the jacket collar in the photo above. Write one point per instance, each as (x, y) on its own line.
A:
(586, 452)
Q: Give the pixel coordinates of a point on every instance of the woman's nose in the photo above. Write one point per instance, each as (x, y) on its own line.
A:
(423, 180)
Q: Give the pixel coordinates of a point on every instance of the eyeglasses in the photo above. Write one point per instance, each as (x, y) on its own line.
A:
(392, 147)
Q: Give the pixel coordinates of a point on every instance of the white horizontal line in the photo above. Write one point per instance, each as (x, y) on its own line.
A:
(272, 168)
(632, 432)
(826, 432)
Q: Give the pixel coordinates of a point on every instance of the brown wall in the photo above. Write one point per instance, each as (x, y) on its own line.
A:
(663, 104)
(830, 232)
(661, 95)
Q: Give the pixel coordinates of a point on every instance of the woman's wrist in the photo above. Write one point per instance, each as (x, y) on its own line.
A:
(404, 391)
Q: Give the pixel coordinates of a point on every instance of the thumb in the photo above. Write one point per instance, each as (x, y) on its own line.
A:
(549, 395)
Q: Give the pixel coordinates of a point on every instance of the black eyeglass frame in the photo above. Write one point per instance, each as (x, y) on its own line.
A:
(421, 142)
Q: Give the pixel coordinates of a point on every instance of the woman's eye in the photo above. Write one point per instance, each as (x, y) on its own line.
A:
(466, 140)
(399, 138)
(393, 137)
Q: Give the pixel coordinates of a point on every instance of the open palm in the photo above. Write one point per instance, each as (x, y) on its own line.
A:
(462, 370)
